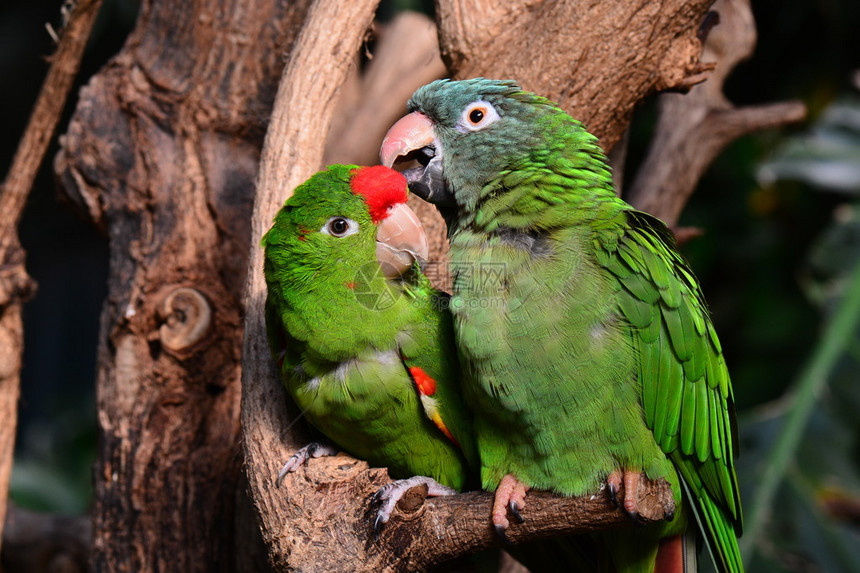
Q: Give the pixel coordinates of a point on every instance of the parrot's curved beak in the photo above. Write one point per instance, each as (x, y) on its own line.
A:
(413, 136)
(400, 241)
(410, 133)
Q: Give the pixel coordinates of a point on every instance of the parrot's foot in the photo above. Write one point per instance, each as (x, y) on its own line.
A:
(630, 479)
(301, 457)
(510, 496)
(389, 494)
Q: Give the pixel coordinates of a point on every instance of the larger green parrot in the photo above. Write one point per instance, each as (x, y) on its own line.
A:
(363, 343)
(587, 345)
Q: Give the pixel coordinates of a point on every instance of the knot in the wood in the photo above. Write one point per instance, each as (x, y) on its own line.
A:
(187, 316)
(16, 286)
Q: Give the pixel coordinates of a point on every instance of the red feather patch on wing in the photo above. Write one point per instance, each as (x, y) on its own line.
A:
(380, 187)
(425, 383)
(426, 388)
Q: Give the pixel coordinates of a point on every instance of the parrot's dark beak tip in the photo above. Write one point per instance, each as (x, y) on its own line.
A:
(428, 182)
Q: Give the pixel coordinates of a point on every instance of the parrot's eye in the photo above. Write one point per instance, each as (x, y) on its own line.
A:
(339, 227)
(477, 116)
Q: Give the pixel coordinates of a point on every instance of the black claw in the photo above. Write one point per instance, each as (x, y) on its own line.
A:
(378, 524)
(636, 518)
(613, 494)
(500, 533)
(514, 508)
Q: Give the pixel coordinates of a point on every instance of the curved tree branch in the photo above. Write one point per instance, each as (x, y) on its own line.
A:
(293, 150)
(692, 129)
(15, 284)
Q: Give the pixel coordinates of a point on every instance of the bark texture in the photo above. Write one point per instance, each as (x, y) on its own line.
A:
(162, 154)
(596, 59)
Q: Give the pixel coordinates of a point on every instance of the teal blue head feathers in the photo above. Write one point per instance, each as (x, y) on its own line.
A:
(467, 134)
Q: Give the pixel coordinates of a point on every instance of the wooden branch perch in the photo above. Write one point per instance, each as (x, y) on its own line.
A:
(15, 284)
(334, 497)
(692, 129)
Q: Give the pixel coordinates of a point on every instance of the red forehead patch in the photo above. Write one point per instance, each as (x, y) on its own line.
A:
(380, 187)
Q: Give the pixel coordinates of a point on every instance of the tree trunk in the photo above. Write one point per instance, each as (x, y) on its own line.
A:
(162, 153)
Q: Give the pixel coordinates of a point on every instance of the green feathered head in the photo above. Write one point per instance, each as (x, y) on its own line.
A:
(468, 134)
(336, 223)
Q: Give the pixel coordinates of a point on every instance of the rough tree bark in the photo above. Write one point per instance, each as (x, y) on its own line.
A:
(15, 284)
(162, 154)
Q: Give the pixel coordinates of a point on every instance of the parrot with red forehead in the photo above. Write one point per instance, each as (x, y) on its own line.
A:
(363, 342)
(588, 351)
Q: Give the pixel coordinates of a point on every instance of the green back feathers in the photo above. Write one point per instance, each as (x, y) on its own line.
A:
(686, 396)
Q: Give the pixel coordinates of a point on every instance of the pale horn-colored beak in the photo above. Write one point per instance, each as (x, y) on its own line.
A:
(400, 241)
(411, 132)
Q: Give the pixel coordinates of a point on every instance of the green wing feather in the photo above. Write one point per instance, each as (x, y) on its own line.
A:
(685, 388)
(429, 348)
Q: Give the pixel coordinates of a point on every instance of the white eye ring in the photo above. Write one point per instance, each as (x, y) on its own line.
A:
(477, 116)
(339, 227)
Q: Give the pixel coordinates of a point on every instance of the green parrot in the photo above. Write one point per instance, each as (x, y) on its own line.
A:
(362, 341)
(588, 351)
